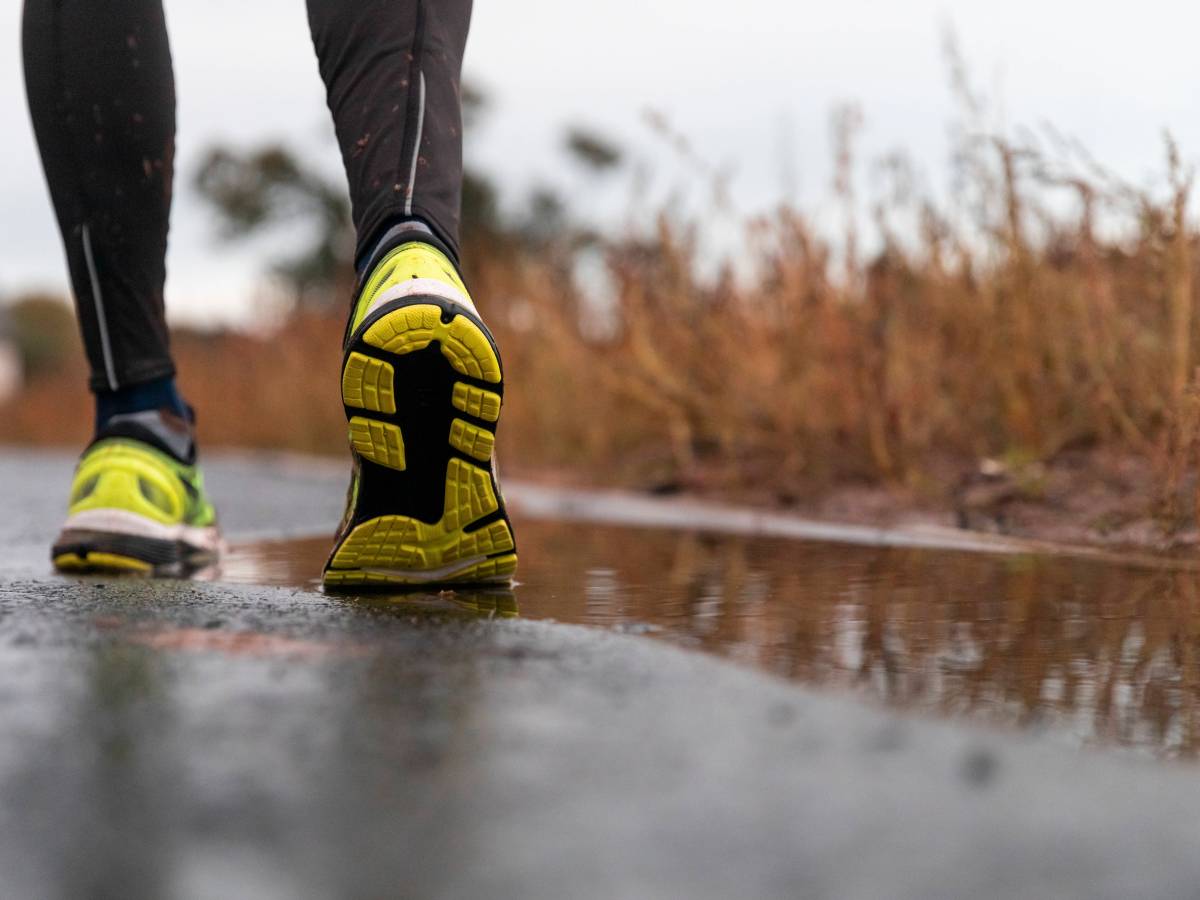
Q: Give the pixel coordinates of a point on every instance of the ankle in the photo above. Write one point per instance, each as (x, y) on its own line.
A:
(160, 394)
(395, 234)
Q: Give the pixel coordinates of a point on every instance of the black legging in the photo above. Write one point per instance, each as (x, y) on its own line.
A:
(102, 96)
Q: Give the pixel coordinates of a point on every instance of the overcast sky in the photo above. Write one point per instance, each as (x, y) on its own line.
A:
(747, 83)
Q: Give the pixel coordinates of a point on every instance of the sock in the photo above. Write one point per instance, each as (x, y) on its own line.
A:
(401, 232)
(149, 395)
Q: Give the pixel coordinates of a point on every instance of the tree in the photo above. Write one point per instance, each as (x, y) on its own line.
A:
(259, 190)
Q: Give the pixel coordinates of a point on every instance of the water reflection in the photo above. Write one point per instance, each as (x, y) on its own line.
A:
(297, 563)
(1102, 653)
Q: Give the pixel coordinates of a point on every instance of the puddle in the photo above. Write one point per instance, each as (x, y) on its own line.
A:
(1095, 652)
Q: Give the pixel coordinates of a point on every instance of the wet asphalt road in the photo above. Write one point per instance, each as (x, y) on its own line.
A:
(166, 739)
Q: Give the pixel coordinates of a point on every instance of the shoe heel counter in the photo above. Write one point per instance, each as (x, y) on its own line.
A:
(121, 478)
(411, 269)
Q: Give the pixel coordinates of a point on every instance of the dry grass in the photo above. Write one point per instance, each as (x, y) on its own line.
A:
(1018, 336)
(1045, 310)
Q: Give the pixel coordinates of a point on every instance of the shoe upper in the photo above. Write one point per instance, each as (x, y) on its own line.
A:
(134, 465)
(409, 267)
(414, 268)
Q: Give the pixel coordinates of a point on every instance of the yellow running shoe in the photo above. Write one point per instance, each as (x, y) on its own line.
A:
(422, 386)
(137, 502)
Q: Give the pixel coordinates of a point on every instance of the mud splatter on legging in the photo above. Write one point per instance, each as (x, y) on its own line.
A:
(102, 96)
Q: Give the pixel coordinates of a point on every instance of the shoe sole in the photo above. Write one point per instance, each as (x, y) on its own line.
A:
(422, 386)
(114, 541)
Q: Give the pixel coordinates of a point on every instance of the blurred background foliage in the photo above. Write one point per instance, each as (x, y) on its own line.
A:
(262, 192)
(1039, 313)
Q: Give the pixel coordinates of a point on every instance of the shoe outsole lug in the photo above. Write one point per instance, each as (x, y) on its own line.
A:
(472, 440)
(476, 402)
(368, 384)
(416, 326)
(380, 442)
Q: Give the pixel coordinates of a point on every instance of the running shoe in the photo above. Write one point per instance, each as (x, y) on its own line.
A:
(422, 386)
(137, 502)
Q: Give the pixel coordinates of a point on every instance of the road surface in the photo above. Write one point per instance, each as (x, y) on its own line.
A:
(197, 740)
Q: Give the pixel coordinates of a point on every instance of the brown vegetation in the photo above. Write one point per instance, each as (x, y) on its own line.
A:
(1048, 311)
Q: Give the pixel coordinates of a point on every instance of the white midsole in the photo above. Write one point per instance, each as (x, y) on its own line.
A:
(421, 287)
(122, 521)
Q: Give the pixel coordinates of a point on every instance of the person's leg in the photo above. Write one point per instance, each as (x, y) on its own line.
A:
(102, 98)
(392, 70)
(422, 381)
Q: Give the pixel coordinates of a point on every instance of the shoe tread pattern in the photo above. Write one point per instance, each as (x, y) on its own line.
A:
(440, 435)
(417, 326)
